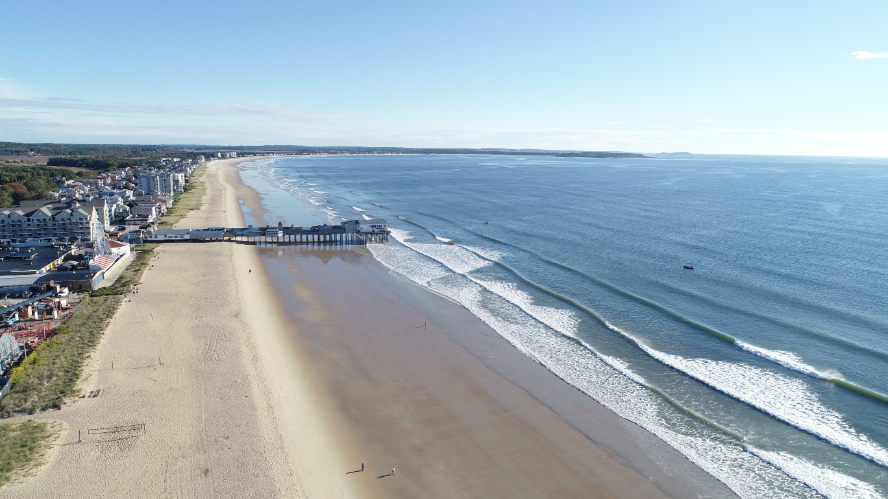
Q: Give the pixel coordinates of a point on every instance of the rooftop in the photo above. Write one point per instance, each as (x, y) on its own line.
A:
(29, 260)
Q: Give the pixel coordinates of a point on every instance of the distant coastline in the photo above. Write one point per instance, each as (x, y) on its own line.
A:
(15, 150)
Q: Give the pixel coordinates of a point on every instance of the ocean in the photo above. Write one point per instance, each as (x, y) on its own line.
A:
(766, 364)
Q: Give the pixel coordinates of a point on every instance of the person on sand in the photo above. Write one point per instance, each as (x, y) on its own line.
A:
(362, 467)
(393, 470)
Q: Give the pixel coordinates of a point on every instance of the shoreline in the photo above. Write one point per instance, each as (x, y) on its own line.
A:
(615, 440)
(179, 404)
(313, 363)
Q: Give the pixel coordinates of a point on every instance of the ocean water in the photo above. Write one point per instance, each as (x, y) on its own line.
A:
(766, 365)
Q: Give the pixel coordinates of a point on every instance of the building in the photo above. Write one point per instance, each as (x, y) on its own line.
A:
(178, 182)
(147, 183)
(181, 235)
(119, 248)
(32, 260)
(232, 154)
(76, 280)
(142, 214)
(155, 184)
(373, 225)
(50, 221)
(102, 210)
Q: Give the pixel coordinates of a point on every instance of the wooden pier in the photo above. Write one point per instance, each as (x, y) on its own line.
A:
(348, 233)
(301, 236)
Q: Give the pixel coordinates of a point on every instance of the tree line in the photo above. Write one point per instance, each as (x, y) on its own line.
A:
(95, 164)
(20, 183)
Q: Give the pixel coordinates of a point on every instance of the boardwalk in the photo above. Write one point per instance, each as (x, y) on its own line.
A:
(349, 232)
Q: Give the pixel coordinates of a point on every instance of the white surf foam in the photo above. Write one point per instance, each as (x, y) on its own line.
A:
(788, 360)
(453, 257)
(719, 455)
(787, 399)
(561, 320)
(357, 209)
(443, 239)
(366, 217)
(623, 367)
(829, 482)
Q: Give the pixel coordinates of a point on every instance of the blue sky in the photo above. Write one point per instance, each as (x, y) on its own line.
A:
(708, 77)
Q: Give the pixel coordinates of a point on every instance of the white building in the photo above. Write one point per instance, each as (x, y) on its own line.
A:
(49, 221)
(156, 184)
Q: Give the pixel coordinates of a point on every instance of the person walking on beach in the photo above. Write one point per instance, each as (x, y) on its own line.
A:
(393, 470)
(362, 467)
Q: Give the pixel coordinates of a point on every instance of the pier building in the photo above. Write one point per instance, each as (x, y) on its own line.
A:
(348, 232)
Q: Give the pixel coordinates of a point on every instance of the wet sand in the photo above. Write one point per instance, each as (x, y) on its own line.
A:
(457, 410)
(237, 382)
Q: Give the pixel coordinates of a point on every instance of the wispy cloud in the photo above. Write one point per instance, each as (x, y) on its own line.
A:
(705, 121)
(240, 109)
(862, 54)
(5, 79)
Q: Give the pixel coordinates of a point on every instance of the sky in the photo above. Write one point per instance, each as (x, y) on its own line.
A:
(731, 77)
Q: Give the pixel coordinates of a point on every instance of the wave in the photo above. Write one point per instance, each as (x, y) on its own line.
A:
(788, 360)
(357, 209)
(455, 258)
(444, 239)
(717, 453)
(366, 217)
(827, 481)
(787, 399)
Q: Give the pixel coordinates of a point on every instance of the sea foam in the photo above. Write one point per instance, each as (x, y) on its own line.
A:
(827, 481)
(721, 456)
(787, 399)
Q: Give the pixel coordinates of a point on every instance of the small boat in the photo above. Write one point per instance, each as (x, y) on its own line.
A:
(688, 267)
(486, 222)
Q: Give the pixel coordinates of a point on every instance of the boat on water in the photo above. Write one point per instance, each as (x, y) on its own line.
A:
(688, 267)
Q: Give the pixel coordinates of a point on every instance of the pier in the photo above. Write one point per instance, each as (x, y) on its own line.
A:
(353, 232)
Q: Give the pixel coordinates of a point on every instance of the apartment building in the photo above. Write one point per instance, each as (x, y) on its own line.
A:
(50, 221)
(156, 184)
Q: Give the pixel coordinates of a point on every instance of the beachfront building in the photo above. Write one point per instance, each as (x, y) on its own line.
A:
(141, 214)
(102, 210)
(156, 184)
(178, 182)
(50, 221)
(373, 225)
(181, 235)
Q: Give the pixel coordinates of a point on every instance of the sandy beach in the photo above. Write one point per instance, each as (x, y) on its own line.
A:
(244, 371)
